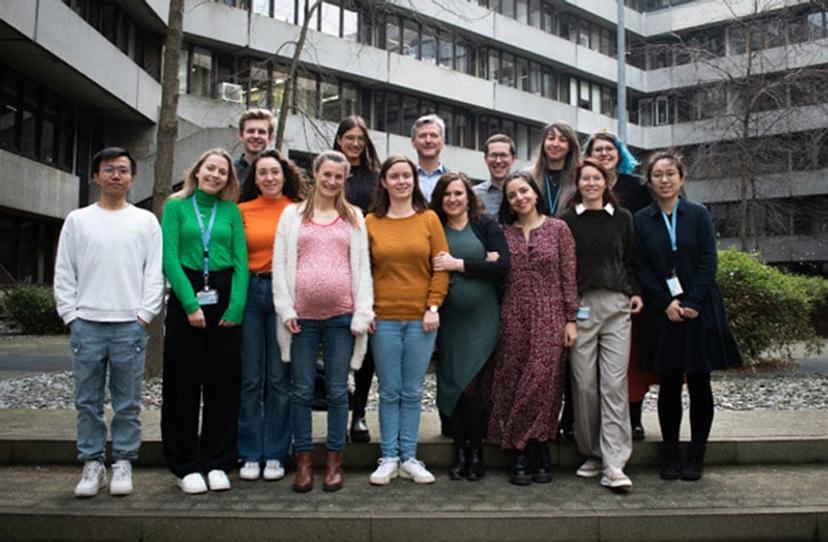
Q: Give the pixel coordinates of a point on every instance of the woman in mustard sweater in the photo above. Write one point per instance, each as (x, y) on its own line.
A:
(404, 236)
(205, 261)
(273, 182)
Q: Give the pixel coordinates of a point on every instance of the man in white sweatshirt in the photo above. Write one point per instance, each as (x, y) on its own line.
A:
(108, 286)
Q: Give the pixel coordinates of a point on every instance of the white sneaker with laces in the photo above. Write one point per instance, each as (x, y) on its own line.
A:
(93, 478)
(250, 470)
(614, 478)
(415, 470)
(192, 484)
(217, 480)
(591, 468)
(274, 470)
(121, 483)
(388, 469)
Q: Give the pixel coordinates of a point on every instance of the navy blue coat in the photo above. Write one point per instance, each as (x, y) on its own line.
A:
(692, 346)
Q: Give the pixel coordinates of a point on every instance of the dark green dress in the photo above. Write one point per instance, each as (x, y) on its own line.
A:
(469, 323)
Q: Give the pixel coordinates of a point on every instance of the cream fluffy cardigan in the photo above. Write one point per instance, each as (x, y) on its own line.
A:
(284, 281)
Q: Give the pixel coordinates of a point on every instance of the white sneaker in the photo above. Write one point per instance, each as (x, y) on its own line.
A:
(93, 478)
(274, 470)
(121, 483)
(388, 469)
(614, 478)
(250, 470)
(217, 480)
(192, 484)
(415, 470)
(591, 468)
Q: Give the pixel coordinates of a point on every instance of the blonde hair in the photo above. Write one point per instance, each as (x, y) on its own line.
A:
(230, 192)
(343, 208)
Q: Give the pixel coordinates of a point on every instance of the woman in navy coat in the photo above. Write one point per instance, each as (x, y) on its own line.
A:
(686, 335)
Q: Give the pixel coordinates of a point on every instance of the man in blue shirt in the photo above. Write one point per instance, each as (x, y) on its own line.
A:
(427, 139)
(256, 132)
(499, 153)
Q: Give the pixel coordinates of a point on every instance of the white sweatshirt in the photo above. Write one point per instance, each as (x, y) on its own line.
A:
(108, 266)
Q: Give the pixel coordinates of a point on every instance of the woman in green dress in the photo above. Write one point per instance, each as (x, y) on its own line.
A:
(470, 316)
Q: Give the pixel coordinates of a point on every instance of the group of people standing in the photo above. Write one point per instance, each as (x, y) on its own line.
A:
(526, 282)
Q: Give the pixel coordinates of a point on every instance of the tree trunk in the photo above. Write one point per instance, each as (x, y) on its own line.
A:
(291, 78)
(165, 151)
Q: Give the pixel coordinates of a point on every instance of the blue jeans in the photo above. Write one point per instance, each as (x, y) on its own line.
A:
(264, 413)
(401, 352)
(334, 334)
(122, 347)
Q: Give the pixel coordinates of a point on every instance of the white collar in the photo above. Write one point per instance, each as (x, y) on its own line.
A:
(580, 208)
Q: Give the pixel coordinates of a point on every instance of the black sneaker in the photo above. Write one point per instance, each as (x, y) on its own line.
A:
(691, 469)
(521, 476)
(670, 461)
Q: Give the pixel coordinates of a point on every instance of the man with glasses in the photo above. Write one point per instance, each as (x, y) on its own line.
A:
(499, 153)
(108, 286)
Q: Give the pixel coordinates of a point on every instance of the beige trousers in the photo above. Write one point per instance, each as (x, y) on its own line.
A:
(599, 378)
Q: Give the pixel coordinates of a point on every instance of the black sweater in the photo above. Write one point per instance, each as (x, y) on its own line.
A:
(604, 246)
(360, 187)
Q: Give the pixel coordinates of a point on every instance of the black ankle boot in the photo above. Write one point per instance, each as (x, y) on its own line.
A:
(541, 469)
(635, 421)
(460, 468)
(692, 467)
(475, 461)
(521, 476)
(670, 461)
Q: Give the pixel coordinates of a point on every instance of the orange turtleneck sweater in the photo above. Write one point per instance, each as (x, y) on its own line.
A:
(261, 217)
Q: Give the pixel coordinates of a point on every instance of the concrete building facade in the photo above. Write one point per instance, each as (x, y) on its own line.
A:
(77, 75)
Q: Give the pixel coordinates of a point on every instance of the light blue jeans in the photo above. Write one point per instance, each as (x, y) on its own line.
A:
(401, 352)
(334, 334)
(121, 346)
(264, 409)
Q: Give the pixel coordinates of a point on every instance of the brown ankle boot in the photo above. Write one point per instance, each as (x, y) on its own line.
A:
(333, 472)
(303, 479)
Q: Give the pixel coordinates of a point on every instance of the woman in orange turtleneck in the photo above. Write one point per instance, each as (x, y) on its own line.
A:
(273, 182)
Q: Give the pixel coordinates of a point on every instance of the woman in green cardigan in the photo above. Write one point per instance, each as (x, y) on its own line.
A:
(205, 261)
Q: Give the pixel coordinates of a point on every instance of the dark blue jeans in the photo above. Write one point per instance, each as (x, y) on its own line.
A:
(334, 334)
(264, 414)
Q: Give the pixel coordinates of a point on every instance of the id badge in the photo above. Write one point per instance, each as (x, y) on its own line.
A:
(674, 285)
(582, 314)
(207, 297)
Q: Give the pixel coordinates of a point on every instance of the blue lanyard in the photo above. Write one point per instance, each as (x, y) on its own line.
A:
(671, 226)
(205, 236)
(553, 204)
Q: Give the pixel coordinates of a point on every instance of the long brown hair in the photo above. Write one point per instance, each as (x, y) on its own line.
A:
(343, 208)
(539, 167)
(382, 201)
(608, 195)
(229, 192)
(295, 185)
(368, 158)
(439, 193)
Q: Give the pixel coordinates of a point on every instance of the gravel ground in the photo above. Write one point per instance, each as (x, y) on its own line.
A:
(782, 388)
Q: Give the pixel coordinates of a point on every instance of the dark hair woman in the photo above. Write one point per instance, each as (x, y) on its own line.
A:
(478, 260)
(537, 324)
(264, 411)
(353, 140)
(686, 335)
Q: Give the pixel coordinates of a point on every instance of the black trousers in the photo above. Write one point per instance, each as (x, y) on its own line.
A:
(201, 365)
(362, 385)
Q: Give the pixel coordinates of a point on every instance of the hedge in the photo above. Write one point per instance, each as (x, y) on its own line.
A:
(33, 309)
(770, 310)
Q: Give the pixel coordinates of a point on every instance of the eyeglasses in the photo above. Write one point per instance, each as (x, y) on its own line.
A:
(110, 170)
(495, 156)
(607, 149)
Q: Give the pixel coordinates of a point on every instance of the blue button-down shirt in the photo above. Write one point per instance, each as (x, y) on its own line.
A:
(490, 195)
(429, 180)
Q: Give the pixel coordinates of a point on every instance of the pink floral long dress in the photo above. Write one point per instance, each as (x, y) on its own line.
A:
(527, 380)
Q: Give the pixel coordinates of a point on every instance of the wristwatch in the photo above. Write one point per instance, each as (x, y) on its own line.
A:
(433, 309)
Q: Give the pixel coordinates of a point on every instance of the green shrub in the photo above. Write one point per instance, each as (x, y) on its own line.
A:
(769, 310)
(33, 308)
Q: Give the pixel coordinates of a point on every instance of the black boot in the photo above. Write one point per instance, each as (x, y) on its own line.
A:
(691, 469)
(541, 469)
(460, 468)
(359, 429)
(670, 461)
(475, 461)
(521, 476)
(635, 421)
